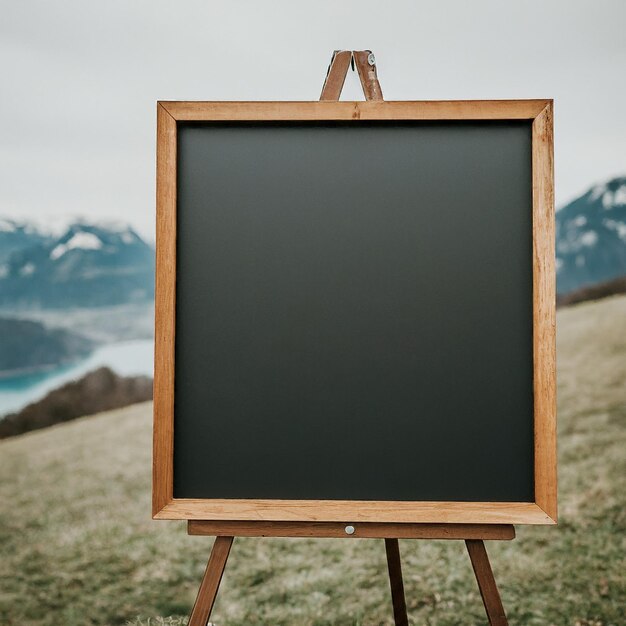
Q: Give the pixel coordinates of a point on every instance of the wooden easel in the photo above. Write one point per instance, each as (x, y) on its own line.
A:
(473, 534)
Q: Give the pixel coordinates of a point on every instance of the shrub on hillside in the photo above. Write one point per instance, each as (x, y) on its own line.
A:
(97, 391)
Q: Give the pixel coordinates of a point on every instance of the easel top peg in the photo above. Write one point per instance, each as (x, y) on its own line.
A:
(365, 63)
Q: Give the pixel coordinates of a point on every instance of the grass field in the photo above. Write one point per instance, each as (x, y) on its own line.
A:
(78, 545)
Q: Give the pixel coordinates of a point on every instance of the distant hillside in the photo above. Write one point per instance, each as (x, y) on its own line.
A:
(29, 346)
(78, 546)
(591, 237)
(593, 292)
(88, 266)
(100, 390)
(16, 236)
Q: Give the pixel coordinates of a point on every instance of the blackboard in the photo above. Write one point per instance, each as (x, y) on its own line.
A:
(355, 314)
(354, 311)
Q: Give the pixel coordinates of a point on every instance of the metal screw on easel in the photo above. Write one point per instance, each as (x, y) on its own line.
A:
(371, 59)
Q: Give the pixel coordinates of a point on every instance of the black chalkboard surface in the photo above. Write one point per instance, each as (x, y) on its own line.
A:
(354, 311)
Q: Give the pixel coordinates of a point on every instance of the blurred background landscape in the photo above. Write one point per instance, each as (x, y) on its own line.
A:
(81, 303)
(76, 305)
(77, 148)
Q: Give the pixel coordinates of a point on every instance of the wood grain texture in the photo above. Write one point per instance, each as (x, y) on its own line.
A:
(336, 75)
(210, 582)
(367, 530)
(544, 509)
(349, 511)
(367, 75)
(394, 566)
(544, 313)
(372, 110)
(163, 431)
(486, 583)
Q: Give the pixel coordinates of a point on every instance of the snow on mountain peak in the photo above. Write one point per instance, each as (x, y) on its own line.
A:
(614, 198)
(7, 226)
(82, 240)
(618, 227)
(27, 269)
(591, 233)
(110, 225)
(116, 226)
(597, 191)
(589, 238)
(611, 192)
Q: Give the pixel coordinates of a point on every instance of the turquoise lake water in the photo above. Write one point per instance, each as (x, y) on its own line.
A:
(126, 358)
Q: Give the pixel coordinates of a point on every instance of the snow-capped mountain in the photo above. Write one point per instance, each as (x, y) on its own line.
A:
(591, 237)
(15, 235)
(89, 265)
(103, 264)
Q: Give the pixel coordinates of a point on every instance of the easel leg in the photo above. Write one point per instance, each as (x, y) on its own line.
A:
(395, 581)
(210, 582)
(486, 582)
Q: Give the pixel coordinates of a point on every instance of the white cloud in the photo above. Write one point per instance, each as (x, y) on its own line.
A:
(80, 80)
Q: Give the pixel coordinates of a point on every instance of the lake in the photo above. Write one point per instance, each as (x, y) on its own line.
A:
(126, 358)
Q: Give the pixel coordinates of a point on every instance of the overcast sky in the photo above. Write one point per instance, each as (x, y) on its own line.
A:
(79, 80)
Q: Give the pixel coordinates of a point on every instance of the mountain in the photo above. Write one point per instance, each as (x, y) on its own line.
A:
(90, 265)
(16, 236)
(591, 237)
(29, 346)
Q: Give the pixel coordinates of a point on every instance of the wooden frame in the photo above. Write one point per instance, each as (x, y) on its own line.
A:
(337, 530)
(544, 509)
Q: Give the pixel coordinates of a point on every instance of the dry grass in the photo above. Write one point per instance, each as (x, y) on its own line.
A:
(78, 546)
